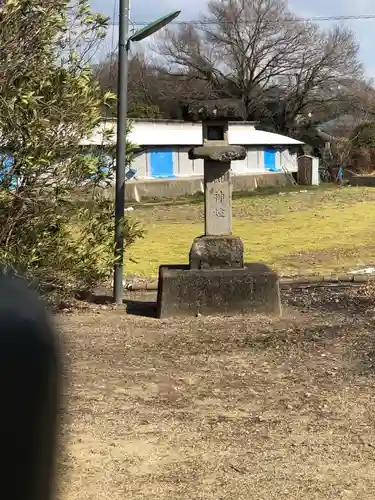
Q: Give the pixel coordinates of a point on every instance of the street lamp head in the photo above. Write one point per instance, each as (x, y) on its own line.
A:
(153, 27)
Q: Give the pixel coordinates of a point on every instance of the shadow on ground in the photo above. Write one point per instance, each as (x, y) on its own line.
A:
(141, 308)
(137, 304)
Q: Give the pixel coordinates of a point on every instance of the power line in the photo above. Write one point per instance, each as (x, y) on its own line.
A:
(291, 19)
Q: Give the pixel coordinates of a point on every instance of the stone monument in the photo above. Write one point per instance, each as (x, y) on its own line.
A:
(217, 281)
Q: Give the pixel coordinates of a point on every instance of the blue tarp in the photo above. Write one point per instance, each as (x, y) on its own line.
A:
(6, 174)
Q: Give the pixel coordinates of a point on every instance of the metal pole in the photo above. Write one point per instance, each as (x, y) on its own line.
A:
(122, 109)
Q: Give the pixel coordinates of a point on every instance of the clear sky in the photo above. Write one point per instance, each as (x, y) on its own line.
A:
(147, 10)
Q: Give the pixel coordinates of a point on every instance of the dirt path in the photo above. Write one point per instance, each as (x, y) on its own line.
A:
(233, 408)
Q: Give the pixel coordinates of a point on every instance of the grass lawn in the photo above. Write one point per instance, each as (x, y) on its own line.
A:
(322, 230)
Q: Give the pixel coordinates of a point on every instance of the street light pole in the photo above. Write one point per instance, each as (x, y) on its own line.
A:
(122, 111)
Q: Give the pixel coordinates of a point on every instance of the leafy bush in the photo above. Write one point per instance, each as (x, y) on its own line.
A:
(56, 228)
(61, 247)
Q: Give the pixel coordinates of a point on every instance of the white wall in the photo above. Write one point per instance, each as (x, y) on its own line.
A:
(184, 167)
(289, 160)
(253, 163)
(187, 167)
(140, 164)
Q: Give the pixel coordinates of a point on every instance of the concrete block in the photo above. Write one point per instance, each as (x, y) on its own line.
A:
(188, 292)
(363, 181)
(185, 186)
(212, 252)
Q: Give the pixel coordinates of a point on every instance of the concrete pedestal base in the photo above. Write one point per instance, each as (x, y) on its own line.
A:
(252, 289)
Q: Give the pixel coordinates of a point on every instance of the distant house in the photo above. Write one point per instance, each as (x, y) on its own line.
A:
(163, 146)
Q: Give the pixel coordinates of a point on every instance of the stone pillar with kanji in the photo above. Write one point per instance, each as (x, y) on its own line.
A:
(217, 248)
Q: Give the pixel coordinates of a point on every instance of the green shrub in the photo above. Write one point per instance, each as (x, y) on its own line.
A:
(61, 249)
(50, 102)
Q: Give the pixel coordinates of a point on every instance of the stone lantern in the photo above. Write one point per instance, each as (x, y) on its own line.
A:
(216, 279)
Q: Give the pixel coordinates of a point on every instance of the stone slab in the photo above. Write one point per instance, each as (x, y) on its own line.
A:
(218, 153)
(253, 289)
(217, 199)
(216, 252)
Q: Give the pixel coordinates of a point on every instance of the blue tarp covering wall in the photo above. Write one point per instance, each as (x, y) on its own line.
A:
(161, 164)
(270, 160)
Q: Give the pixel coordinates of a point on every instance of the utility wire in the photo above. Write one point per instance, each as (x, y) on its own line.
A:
(364, 17)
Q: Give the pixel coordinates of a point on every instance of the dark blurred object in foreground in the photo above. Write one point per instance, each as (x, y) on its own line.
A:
(29, 389)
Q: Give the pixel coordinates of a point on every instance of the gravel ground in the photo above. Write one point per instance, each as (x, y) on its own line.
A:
(214, 408)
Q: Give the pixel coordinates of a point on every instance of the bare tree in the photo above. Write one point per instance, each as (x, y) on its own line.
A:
(257, 50)
(138, 80)
(153, 91)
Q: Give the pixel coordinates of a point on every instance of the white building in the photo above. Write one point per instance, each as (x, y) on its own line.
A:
(163, 145)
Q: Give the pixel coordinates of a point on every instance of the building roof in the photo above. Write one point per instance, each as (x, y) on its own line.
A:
(178, 133)
(249, 136)
(166, 133)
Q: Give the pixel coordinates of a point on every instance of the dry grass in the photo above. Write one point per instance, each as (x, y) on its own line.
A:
(234, 408)
(320, 230)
